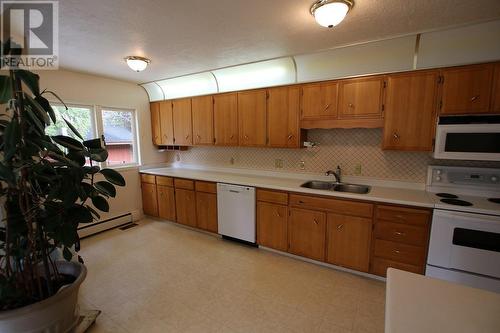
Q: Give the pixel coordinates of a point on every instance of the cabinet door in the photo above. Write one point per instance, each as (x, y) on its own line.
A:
(319, 100)
(349, 241)
(226, 119)
(252, 118)
(361, 98)
(149, 199)
(410, 111)
(203, 120)
(307, 233)
(185, 206)
(166, 123)
(466, 90)
(272, 225)
(166, 202)
(183, 127)
(495, 102)
(155, 123)
(283, 105)
(206, 211)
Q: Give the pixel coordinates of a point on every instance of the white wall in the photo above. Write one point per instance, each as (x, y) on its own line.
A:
(87, 89)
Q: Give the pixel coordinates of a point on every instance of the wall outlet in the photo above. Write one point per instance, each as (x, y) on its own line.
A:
(278, 164)
(302, 165)
(231, 160)
(357, 169)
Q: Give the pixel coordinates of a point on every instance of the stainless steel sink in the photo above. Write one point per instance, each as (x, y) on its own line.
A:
(337, 187)
(352, 188)
(319, 185)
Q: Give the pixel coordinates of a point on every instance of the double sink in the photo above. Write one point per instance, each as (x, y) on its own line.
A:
(337, 187)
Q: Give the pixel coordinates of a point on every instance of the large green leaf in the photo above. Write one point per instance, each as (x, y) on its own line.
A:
(30, 80)
(106, 188)
(44, 103)
(99, 155)
(5, 89)
(76, 156)
(42, 114)
(93, 144)
(100, 203)
(113, 177)
(67, 142)
(35, 121)
(12, 136)
(93, 212)
(73, 129)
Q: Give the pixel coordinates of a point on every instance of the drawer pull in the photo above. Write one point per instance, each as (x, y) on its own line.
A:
(290, 137)
(315, 221)
(399, 233)
(401, 217)
(301, 202)
(396, 251)
(327, 107)
(278, 214)
(474, 98)
(340, 227)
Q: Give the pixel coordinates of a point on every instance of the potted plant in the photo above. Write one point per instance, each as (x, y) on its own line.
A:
(46, 186)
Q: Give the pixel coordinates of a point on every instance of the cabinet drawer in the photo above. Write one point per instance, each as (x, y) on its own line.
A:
(272, 196)
(150, 179)
(403, 215)
(206, 187)
(184, 183)
(338, 206)
(401, 233)
(380, 266)
(404, 253)
(164, 181)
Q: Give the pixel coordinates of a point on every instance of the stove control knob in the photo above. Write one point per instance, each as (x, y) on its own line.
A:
(494, 179)
(438, 178)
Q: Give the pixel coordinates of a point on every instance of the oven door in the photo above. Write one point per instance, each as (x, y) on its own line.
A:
(478, 142)
(465, 242)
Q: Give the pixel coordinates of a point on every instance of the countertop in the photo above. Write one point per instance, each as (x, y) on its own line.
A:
(291, 183)
(416, 303)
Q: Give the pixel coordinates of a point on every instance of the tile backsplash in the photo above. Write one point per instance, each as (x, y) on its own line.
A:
(357, 151)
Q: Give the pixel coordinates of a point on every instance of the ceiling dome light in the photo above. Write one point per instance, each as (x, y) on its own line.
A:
(137, 64)
(330, 13)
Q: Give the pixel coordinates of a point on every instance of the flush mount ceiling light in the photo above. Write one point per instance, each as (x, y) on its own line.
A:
(137, 64)
(330, 13)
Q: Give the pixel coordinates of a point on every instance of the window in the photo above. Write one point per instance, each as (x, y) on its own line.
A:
(119, 135)
(116, 126)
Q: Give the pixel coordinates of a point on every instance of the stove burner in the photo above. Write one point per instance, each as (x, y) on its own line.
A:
(456, 202)
(494, 200)
(447, 195)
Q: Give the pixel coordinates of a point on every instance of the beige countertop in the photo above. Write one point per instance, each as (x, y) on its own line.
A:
(289, 182)
(416, 304)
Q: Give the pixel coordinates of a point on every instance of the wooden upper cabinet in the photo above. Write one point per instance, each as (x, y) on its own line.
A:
(252, 125)
(349, 241)
(466, 90)
(307, 233)
(319, 100)
(410, 111)
(183, 127)
(166, 123)
(203, 120)
(155, 123)
(495, 101)
(361, 98)
(283, 108)
(226, 119)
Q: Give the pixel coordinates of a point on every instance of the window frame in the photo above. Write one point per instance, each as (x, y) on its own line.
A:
(98, 129)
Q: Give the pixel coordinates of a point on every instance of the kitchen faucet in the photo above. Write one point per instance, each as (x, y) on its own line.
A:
(337, 174)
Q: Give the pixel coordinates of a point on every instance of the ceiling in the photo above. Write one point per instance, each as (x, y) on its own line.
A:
(189, 36)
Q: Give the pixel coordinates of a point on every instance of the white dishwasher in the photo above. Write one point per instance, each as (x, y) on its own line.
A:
(236, 211)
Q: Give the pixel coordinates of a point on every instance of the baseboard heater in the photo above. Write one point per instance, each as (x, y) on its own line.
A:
(86, 230)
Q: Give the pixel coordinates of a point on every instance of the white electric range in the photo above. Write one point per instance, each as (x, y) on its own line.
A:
(465, 234)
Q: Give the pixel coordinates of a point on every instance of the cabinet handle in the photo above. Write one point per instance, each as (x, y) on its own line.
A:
(350, 105)
(187, 136)
(399, 233)
(315, 221)
(401, 217)
(198, 136)
(278, 214)
(340, 227)
(474, 98)
(395, 136)
(231, 137)
(301, 202)
(327, 107)
(396, 251)
(290, 137)
(246, 137)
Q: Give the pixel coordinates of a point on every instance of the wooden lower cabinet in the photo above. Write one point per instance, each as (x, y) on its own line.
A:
(206, 211)
(185, 204)
(272, 225)
(348, 241)
(166, 202)
(307, 233)
(149, 200)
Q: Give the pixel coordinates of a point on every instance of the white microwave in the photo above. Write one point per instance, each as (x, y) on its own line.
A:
(475, 138)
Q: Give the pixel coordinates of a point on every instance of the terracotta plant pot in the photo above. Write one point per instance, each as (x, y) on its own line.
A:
(57, 314)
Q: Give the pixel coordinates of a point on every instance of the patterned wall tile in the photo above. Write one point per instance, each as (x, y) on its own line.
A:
(345, 147)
